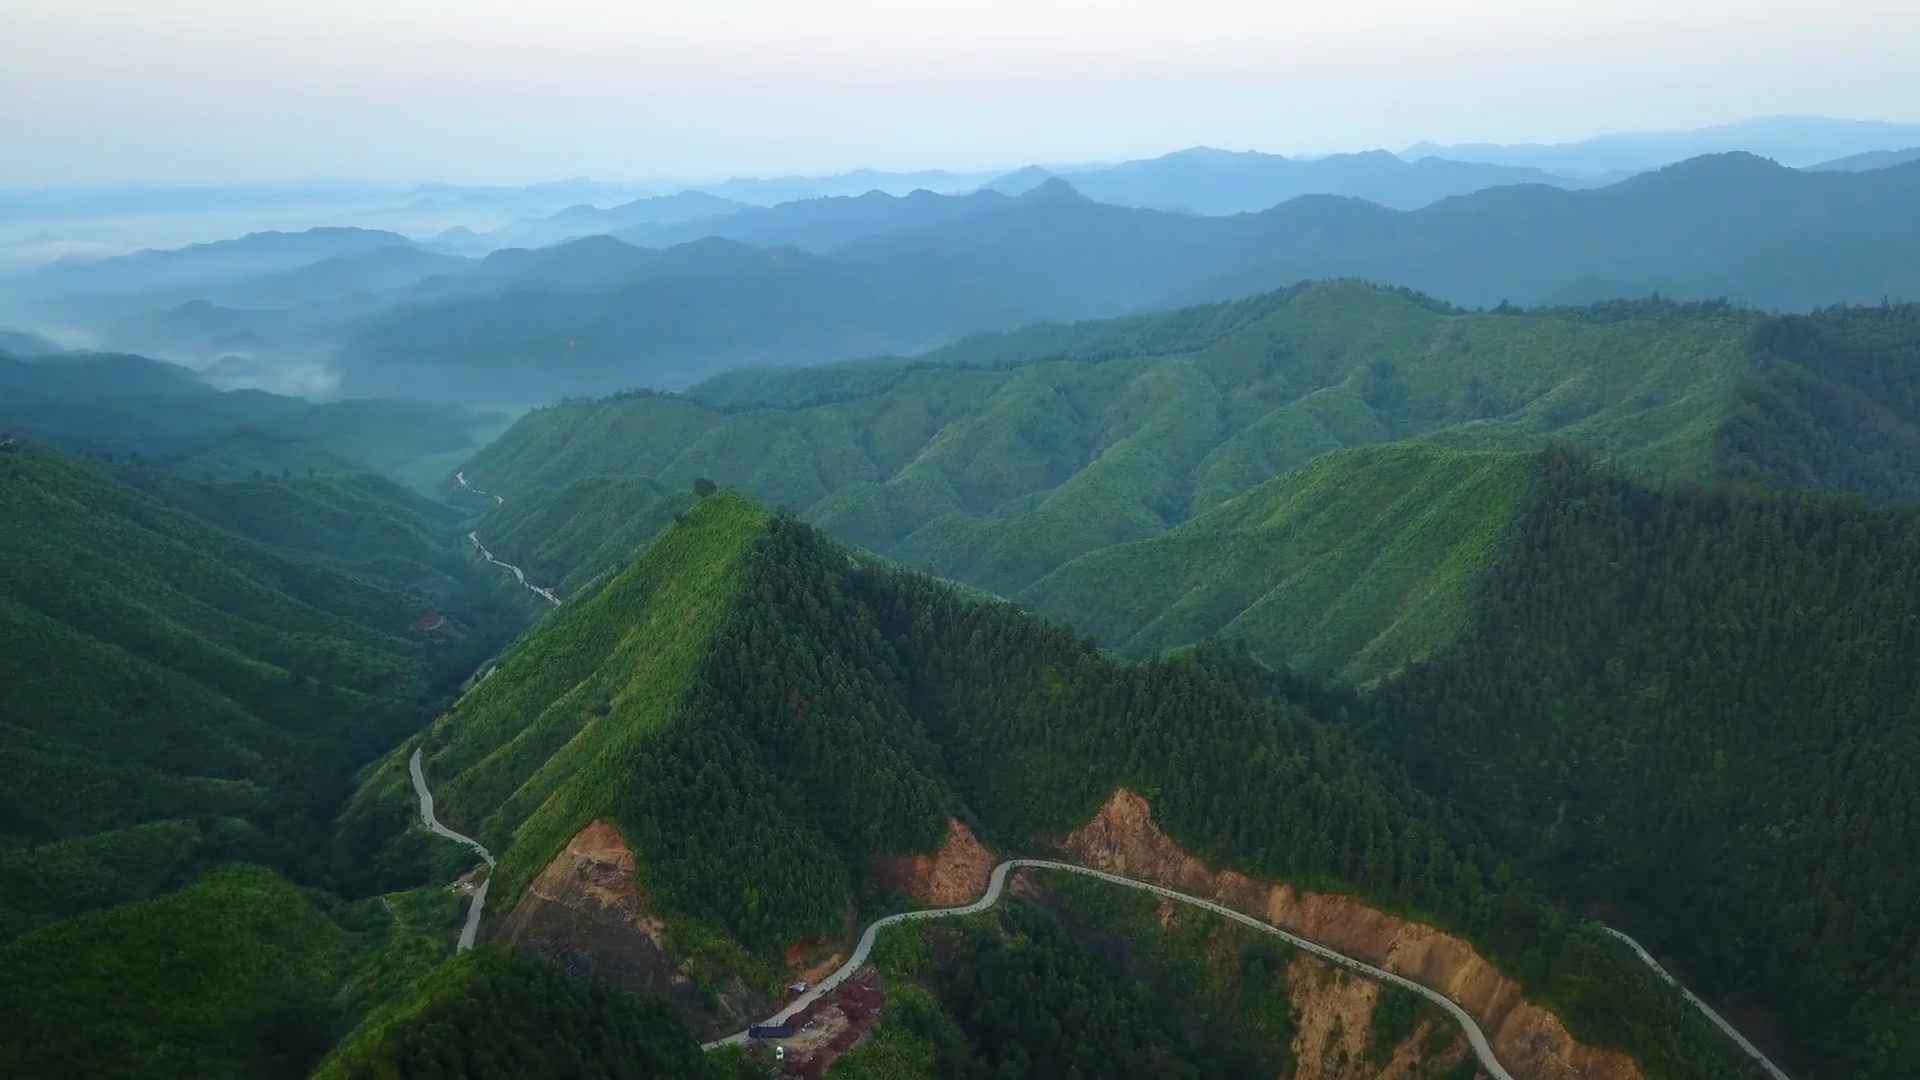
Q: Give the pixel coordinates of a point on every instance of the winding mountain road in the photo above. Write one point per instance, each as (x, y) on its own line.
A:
(997, 884)
(1739, 1039)
(474, 538)
(472, 928)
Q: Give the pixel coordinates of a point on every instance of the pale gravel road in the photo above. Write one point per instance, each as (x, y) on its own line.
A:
(472, 928)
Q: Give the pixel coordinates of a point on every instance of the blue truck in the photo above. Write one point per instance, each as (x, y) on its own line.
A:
(771, 1031)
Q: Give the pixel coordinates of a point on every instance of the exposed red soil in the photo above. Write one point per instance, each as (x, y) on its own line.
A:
(954, 875)
(1529, 1040)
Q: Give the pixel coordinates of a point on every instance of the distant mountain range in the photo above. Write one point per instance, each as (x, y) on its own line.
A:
(841, 277)
(1873, 159)
(1208, 181)
(1791, 140)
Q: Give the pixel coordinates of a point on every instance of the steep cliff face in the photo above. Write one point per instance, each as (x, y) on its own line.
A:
(956, 874)
(584, 913)
(1529, 1040)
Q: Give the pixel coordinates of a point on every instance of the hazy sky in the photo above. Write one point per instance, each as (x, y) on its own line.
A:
(110, 91)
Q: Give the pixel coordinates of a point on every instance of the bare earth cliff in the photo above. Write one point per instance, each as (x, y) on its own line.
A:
(952, 876)
(1530, 1041)
(584, 913)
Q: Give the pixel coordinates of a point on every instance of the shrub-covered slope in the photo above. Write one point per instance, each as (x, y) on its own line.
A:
(229, 978)
(1351, 565)
(584, 529)
(489, 1014)
(169, 689)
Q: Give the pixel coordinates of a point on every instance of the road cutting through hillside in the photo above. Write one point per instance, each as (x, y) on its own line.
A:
(471, 930)
(474, 538)
(1475, 1037)
(996, 884)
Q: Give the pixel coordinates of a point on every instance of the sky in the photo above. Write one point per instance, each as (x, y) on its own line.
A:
(97, 92)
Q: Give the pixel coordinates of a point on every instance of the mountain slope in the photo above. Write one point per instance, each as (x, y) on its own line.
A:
(1352, 565)
(176, 693)
(753, 716)
(587, 528)
(228, 978)
(109, 404)
(1696, 708)
(997, 476)
(530, 1020)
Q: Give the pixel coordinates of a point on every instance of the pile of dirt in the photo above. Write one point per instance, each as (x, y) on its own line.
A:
(956, 874)
(1529, 1040)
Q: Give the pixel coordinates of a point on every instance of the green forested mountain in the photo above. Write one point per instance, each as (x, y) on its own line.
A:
(107, 404)
(1696, 710)
(229, 978)
(761, 713)
(1350, 565)
(489, 1014)
(240, 975)
(999, 469)
(583, 529)
(194, 671)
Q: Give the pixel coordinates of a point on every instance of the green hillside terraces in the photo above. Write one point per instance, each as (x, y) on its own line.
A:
(584, 529)
(1351, 565)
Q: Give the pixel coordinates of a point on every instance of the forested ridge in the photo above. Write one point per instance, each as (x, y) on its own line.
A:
(1693, 710)
(842, 708)
(1016, 456)
(489, 1015)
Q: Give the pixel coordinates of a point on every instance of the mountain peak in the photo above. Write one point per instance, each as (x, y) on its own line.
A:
(1052, 189)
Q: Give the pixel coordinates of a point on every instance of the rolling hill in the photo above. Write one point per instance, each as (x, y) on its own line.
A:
(1353, 564)
(110, 404)
(182, 689)
(992, 467)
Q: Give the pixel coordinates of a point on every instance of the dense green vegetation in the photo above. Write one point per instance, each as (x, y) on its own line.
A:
(1351, 565)
(489, 1014)
(174, 694)
(129, 407)
(584, 529)
(237, 975)
(1002, 460)
(809, 710)
(228, 978)
(1695, 710)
